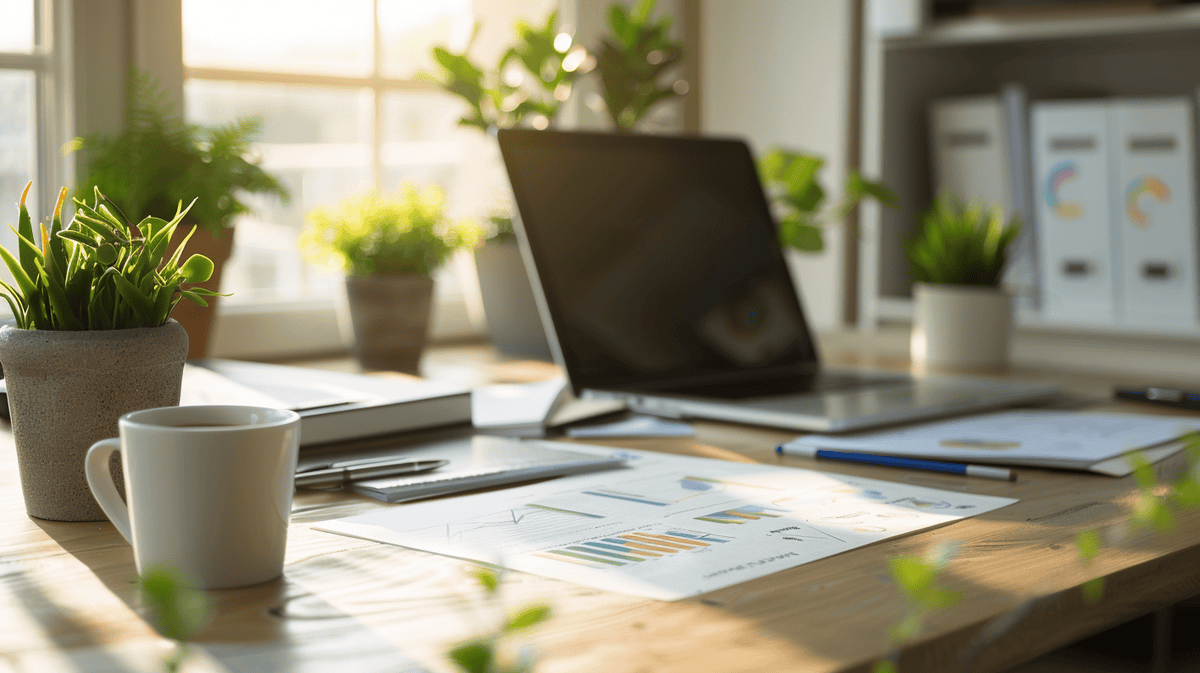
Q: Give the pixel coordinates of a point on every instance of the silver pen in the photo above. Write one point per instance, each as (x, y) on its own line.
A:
(332, 476)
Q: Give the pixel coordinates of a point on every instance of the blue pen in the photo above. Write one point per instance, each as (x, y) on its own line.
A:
(984, 471)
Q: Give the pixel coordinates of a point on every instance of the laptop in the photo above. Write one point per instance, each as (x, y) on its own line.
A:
(661, 283)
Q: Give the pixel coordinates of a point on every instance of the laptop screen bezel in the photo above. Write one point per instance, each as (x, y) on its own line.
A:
(807, 361)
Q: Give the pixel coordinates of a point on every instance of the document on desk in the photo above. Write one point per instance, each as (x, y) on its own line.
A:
(667, 527)
(1073, 440)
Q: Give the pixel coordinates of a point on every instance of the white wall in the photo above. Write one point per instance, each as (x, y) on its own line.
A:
(777, 73)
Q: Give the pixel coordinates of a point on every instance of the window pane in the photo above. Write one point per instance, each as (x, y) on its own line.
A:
(18, 158)
(307, 36)
(409, 29)
(317, 141)
(16, 26)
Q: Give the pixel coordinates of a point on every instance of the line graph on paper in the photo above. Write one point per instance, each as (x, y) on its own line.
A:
(527, 522)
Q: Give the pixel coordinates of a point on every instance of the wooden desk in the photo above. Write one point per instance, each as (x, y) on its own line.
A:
(67, 599)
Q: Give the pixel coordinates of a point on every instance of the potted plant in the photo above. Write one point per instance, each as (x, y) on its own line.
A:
(158, 160)
(388, 248)
(632, 60)
(961, 316)
(92, 341)
(527, 87)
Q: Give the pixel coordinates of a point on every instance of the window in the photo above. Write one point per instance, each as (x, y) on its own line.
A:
(30, 135)
(344, 110)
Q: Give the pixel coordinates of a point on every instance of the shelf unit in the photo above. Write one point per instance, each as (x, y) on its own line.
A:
(1143, 53)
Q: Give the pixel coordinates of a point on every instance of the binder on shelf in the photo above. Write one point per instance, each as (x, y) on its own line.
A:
(1074, 231)
(1021, 273)
(970, 153)
(1153, 208)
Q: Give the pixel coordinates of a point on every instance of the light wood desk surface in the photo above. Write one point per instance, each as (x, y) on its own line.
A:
(67, 598)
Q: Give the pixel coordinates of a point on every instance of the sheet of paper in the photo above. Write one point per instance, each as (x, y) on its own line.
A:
(1027, 437)
(667, 527)
(638, 426)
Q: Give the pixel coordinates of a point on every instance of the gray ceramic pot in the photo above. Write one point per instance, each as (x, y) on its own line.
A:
(390, 314)
(66, 390)
(514, 325)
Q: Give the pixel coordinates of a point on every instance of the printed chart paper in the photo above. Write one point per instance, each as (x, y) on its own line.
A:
(667, 527)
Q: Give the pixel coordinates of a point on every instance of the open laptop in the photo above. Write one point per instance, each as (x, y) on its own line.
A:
(661, 283)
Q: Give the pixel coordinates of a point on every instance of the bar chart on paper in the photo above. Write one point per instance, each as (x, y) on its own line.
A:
(668, 527)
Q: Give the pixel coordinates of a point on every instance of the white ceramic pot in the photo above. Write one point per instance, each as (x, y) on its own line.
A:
(514, 325)
(961, 327)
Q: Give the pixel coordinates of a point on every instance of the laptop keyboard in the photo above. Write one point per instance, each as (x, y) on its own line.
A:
(796, 385)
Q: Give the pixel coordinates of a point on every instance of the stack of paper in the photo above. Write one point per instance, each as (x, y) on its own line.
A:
(1068, 440)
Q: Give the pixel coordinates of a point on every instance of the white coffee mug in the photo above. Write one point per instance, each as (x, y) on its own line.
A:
(209, 489)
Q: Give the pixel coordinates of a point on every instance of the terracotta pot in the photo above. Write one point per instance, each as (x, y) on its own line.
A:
(66, 390)
(961, 326)
(390, 317)
(198, 320)
(513, 323)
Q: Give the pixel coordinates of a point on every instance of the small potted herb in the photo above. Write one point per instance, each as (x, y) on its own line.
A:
(961, 316)
(93, 340)
(388, 247)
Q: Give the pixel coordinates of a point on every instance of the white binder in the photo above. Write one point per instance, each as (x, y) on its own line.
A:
(1153, 206)
(1074, 229)
(970, 153)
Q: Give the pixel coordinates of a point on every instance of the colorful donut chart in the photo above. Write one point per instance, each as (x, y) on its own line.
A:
(1145, 185)
(1062, 172)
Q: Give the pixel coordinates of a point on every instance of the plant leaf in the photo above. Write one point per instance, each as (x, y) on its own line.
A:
(527, 617)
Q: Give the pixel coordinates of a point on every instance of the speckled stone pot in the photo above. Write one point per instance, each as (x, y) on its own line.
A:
(66, 390)
(390, 314)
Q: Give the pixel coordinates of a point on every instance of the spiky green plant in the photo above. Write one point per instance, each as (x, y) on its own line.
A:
(633, 60)
(100, 272)
(372, 234)
(961, 243)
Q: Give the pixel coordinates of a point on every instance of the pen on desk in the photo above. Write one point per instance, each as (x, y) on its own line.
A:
(332, 477)
(999, 473)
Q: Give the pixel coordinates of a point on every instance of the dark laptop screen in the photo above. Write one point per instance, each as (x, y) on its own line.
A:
(657, 257)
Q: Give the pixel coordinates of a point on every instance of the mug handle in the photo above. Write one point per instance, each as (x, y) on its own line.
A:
(100, 480)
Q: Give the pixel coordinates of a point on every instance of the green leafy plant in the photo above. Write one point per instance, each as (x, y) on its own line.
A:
(100, 272)
(372, 233)
(633, 60)
(484, 654)
(499, 229)
(917, 579)
(791, 181)
(529, 85)
(961, 244)
(177, 609)
(157, 160)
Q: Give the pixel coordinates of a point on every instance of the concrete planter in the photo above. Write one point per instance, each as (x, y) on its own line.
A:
(390, 318)
(513, 323)
(66, 390)
(961, 327)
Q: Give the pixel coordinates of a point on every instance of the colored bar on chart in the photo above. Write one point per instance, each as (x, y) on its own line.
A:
(713, 519)
(634, 544)
(621, 548)
(590, 550)
(670, 545)
(594, 559)
(676, 540)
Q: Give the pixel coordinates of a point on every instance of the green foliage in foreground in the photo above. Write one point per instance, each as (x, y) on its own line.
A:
(961, 244)
(790, 179)
(632, 59)
(100, 272)
(482, 655)
(177, 610)
(372, 234)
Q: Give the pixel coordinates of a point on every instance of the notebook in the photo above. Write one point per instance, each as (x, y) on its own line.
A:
(659, 276)
(481, 462)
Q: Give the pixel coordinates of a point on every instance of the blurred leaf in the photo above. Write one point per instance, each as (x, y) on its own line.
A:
(884, 666)
(906, 629)
(179, 609)
(488, 579)
(473, 657)
(1093, 590)
(1088, 544)
(534, 614)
